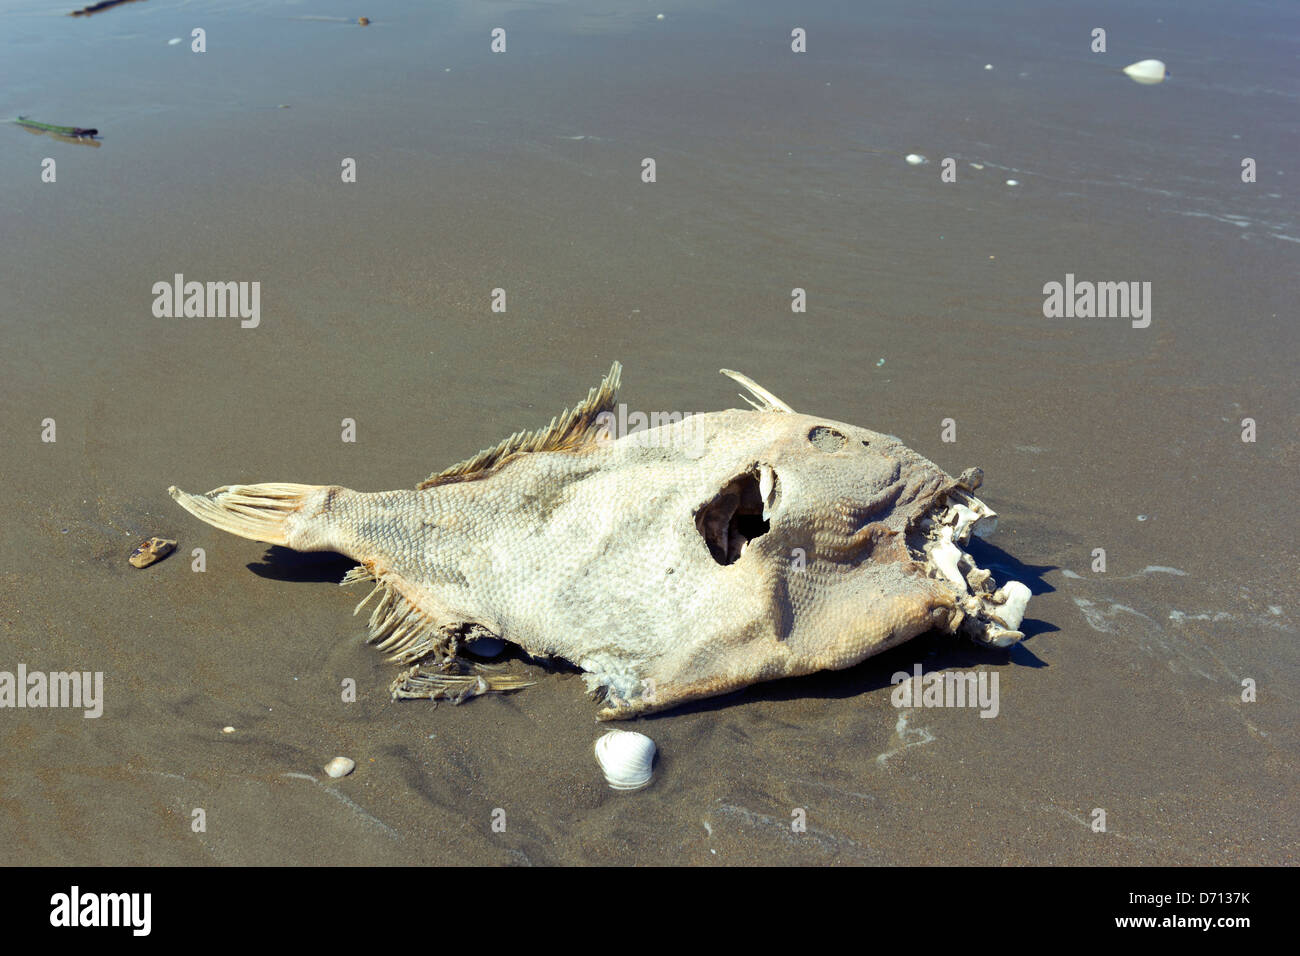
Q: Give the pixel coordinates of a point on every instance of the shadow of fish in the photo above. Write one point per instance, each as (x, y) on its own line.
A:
(670, 564)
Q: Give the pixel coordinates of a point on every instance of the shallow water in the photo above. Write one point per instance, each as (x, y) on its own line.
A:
(774, 171)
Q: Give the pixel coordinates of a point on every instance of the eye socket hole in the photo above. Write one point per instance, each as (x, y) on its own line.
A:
(827, 439)
(732, 518)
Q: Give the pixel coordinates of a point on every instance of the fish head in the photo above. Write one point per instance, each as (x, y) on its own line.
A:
(852, 541)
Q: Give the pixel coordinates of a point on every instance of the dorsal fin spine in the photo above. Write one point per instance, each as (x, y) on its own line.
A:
(569, 430)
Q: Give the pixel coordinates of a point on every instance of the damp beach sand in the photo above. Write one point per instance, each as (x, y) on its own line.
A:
(226, 689)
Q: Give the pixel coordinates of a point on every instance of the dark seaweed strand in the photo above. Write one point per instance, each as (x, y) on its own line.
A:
(61, 130)
(97, 7)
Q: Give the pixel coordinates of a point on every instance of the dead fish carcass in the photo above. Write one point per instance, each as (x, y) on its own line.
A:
(671, 564)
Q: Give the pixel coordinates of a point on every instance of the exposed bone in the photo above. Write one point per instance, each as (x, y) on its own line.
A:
(1000, 637)
(984, 522)
(978, 577)
(945, 556)
(1015, 600)
(767, 402)
(963, 517)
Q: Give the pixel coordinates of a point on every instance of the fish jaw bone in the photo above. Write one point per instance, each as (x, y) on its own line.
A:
(986, 613)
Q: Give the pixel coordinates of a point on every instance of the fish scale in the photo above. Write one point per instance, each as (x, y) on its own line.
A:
(670, 564)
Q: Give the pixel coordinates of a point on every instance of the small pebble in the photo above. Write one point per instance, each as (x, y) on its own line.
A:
(659, 16)
(227, 730)
(340, 767)
(915, 159)
(147, 552)
(174, 40)
(364, 21)
(1013, 182)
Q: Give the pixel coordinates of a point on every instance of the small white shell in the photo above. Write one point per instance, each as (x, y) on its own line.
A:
(627, 759)
(915, 159)
(1146, 71)
(340, 767)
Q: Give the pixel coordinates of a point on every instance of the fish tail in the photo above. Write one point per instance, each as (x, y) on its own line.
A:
(276, 512)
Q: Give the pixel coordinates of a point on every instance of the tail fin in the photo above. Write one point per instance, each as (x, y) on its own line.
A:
(261, 512)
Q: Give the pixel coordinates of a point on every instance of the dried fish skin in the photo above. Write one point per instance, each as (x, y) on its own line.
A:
(672, 564)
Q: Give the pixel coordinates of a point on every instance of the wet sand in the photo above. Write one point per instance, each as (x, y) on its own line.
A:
(522, 171)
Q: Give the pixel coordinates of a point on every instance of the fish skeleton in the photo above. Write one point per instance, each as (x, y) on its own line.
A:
(670, 564)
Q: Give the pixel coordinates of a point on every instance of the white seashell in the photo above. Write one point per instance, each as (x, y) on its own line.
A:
(1146, 71)
(340, 767)
(1013, 182)
(227, 730)
(915, 159)
(627, 759)
(485, 646)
